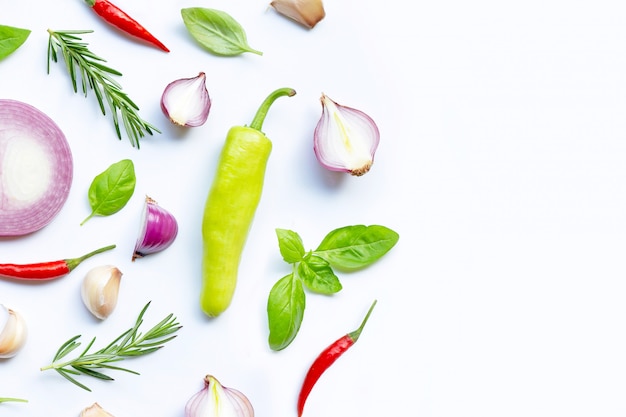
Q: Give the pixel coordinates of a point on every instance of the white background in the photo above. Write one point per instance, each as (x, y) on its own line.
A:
(501, 165)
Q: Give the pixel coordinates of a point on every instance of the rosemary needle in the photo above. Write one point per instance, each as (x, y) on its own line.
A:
(129, 344)
(96, 76)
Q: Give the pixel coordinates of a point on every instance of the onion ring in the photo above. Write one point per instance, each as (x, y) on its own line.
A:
(36, 168)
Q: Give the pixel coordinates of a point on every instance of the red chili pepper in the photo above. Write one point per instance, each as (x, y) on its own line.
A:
(327, 358)
(118, 18)
(46, 270)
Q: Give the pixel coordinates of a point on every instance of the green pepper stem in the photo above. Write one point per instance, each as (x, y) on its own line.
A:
(355, 334)
(74, 262)
(259, 117)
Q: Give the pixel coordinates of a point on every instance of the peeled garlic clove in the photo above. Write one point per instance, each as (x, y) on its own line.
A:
(186, 101)
(13, 332)
(100, 289)
(216, 400)
(158, 230)
(305, 12)
(345, 139)
(95, 410)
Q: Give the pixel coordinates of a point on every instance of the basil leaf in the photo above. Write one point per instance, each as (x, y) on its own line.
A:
(285, 310)
(318, 276)
(11, 38)
(110, 191)
(217, 31)
(290, 244)
(354, 247)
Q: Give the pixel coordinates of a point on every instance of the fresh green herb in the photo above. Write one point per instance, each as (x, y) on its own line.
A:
(96, 76)
(130, 344)
(346, 248)
(11, 38)
(217, 31)
(110, 190)
(15, 400)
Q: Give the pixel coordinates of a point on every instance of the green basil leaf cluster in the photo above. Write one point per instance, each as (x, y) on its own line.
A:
(346, 248)
(217, 31)
(110, 190)
(11, 38)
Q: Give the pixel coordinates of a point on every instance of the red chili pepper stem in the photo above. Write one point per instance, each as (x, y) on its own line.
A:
(355, 334)
(74, 262)
(327, 358)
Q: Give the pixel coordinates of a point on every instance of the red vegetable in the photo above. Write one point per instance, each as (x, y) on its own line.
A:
(46, 270)
(327, 358)
(118, 18)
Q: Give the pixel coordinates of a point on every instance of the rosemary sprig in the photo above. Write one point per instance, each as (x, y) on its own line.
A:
(96, 76)
(129, 344)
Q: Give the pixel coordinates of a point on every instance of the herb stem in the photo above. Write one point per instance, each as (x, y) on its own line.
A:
(10, 399)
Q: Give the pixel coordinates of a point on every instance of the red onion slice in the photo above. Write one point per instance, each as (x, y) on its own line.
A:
(36, 169)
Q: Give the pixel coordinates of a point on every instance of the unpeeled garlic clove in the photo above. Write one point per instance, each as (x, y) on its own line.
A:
(186, 101)
(100, 289)
(345, 139)
(95, 410)
(13, 332)
(305, 12)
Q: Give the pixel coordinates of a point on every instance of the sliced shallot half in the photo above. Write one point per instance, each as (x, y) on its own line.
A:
(186, 101)
(345, 139)
(216, 400)
(157, 232)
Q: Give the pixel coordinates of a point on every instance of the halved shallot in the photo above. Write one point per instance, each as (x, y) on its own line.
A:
(157, 232)
(216, 400)
(186, 101)
(345, 138)
(36, 168)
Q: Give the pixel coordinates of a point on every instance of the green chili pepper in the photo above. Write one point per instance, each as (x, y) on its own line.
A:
(230, 207)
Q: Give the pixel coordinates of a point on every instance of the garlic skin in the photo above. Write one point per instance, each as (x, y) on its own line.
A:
(186, 101)
(306, 12)
(216, 400)
(100, 289)
(13, 332)
(95, 410)
(345, 139)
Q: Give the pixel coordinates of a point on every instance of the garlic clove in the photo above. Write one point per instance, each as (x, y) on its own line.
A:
(305, 12)
(13, 332)
(216, 400)
(95, 410)
(100, 289)
(345, 139)
(186, 101)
